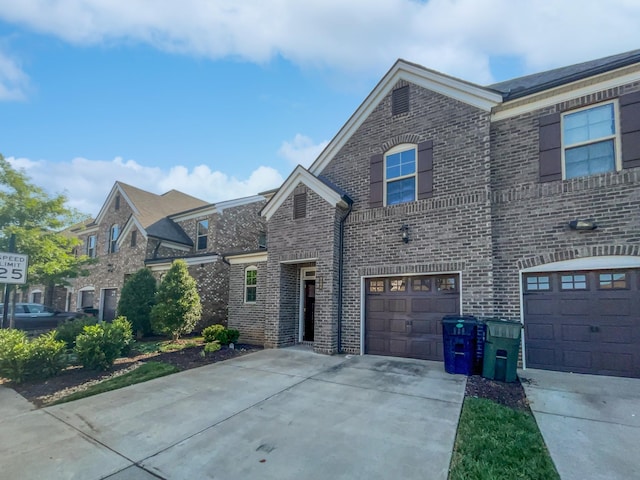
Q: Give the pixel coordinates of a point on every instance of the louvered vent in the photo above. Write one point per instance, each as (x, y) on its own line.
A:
(400, 100)
(300, 205)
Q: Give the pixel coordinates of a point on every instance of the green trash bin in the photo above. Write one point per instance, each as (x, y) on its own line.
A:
(501, 347)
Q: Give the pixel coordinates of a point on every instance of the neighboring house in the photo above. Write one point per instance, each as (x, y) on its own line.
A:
(438, 197)
(137, 229)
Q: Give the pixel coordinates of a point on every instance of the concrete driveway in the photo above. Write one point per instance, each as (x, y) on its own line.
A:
(275, 414)
(590, 423)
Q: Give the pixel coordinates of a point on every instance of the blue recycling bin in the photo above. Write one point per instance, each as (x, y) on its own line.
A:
(459, 337)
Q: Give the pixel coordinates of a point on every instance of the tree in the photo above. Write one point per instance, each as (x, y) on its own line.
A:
(136, 299)
(177, 308)
(38, 220)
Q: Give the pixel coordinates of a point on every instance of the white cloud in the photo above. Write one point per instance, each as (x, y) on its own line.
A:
(88, 182)
(453, 36)
(13, 81)
(301, 150)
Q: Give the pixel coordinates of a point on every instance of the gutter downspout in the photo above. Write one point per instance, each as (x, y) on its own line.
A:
(340, 274)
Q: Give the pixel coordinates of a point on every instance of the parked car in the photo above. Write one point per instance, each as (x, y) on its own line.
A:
(35, 316)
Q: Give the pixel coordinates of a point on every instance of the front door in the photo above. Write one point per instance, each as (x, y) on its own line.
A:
(109, 305)
(309, 309)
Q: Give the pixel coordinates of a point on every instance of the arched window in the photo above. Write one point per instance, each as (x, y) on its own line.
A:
(400, 178)
(250, 284)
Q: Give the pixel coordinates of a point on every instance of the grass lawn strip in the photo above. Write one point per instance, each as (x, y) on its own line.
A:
(145, 371)
(495, 442)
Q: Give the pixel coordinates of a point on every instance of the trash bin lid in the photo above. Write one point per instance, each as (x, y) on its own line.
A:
(504, 328)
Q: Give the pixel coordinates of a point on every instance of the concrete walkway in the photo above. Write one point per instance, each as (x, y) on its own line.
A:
(275, 414)
(590, 423)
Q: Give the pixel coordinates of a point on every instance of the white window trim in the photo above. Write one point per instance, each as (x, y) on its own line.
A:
(32, 295)
(250, 268)
(617, 144)
(95, 244)
(403, 147)
(113, 242)
(199, 235)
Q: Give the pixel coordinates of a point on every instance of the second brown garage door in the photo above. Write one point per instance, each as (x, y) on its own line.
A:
(583, 322)
(403, 314)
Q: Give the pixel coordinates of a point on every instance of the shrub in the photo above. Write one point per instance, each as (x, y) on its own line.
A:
(70, 329)
(99, 345)
(177, 308)
(14, 355)
(21, 359)
(220, 334)
(212, 333)
(48, 356)
(212, 347)
(136, 300)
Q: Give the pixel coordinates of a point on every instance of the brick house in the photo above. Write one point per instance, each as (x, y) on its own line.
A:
(518, 200)
(136, 228)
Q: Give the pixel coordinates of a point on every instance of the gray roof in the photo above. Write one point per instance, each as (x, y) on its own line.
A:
(529, 84)
(166, 229)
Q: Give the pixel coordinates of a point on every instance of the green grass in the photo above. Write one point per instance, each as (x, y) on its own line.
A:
(144, 372)
(166, 345)
(176, 346)
(496, 442)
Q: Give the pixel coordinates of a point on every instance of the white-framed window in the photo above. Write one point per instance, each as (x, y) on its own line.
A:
(36, 296)
(400, 178)
(91, 246)
(201, 234)
(250, 284)
(590, 141)
(113, 238)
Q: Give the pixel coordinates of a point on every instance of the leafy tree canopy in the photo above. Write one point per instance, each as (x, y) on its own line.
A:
(178, 308)
(136, 299)
(39, 221)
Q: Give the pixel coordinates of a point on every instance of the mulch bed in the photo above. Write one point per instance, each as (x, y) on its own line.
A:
(508, 394)
(76, 378)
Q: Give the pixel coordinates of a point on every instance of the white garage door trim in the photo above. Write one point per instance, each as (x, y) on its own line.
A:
(363, 294)
(605, 262)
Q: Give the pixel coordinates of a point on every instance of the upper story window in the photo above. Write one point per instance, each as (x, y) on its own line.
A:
(589, 138)
(91, 246)
(250, 284)
(262, 240)
(400, 174)
(113, 238)
(202, 233)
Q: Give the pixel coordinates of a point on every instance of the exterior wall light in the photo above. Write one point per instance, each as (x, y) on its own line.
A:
(405, 233)
(589, 224)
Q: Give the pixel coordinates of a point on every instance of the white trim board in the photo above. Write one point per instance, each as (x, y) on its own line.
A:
(587, 263)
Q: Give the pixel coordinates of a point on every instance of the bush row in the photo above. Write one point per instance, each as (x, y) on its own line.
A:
(95, 345)
(220, 334)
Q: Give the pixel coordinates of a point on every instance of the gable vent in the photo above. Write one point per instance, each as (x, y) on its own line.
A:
(300, 205)
(400, 100)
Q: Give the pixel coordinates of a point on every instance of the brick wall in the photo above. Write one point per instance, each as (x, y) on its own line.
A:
(247, 318)
(530, 219)
(294, 241)
(450, 232)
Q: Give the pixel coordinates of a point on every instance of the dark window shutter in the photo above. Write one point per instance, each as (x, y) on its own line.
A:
(400, 100)
(550, 159)
(300, 205)
(630, 129)
(376, 178)
(425, 170)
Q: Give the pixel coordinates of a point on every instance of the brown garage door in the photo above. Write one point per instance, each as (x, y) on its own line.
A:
(583, 322)
(403, 314)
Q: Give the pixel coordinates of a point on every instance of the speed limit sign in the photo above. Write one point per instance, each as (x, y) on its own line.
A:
(13, 268)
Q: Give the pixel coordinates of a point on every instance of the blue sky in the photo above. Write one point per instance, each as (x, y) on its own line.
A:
(222, 99)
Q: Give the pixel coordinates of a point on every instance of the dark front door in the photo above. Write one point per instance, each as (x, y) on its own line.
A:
(109, 305)
(583, 321)
(404, 315)
(309, 309)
